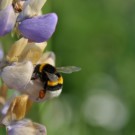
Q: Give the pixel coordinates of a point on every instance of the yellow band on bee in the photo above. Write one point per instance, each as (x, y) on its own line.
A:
(59, 81)
(52, 83)
(41, 67)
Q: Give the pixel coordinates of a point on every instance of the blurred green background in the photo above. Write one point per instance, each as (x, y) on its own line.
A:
(99, 37)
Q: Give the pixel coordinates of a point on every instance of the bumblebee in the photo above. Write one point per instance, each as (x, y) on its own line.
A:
(50, 77)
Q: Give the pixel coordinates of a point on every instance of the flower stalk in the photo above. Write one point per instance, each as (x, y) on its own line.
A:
(24, 19)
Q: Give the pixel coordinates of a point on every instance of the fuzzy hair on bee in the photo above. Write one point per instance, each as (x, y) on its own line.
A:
(51, 78)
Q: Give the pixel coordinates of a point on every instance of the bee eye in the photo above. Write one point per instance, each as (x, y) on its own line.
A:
(41, 94)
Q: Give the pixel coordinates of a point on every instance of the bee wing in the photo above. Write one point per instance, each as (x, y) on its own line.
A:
(68, 69)
(52, 77)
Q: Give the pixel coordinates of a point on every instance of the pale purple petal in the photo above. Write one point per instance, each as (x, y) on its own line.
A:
(1, 52)
(30, 9)
(39, 29)
(7, 20)
(26, 127)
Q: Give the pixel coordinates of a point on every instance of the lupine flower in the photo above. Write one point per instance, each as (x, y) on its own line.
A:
(32, 52)
(5, 3)
(16, 49)
(47, 57)
(16, 109)
(21, 51)
(18, 75)
(37, 29)
(30, 8)
(7, 20)
(3, 91)
(1, 52)
(40, 28)
(26, 127)
(15, 121)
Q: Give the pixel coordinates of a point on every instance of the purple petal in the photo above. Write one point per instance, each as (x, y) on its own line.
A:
(39, 29)
(7, 20)
(1, 52)
(26, 127)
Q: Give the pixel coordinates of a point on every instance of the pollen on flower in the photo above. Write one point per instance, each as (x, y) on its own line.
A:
(41, 94)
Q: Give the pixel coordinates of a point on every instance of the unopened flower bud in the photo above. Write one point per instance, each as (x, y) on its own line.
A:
(32, 52)
(16, 49)
(17, 109)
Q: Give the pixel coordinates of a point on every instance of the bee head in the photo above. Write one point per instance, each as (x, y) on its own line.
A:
(48, 68)
(36, 72)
